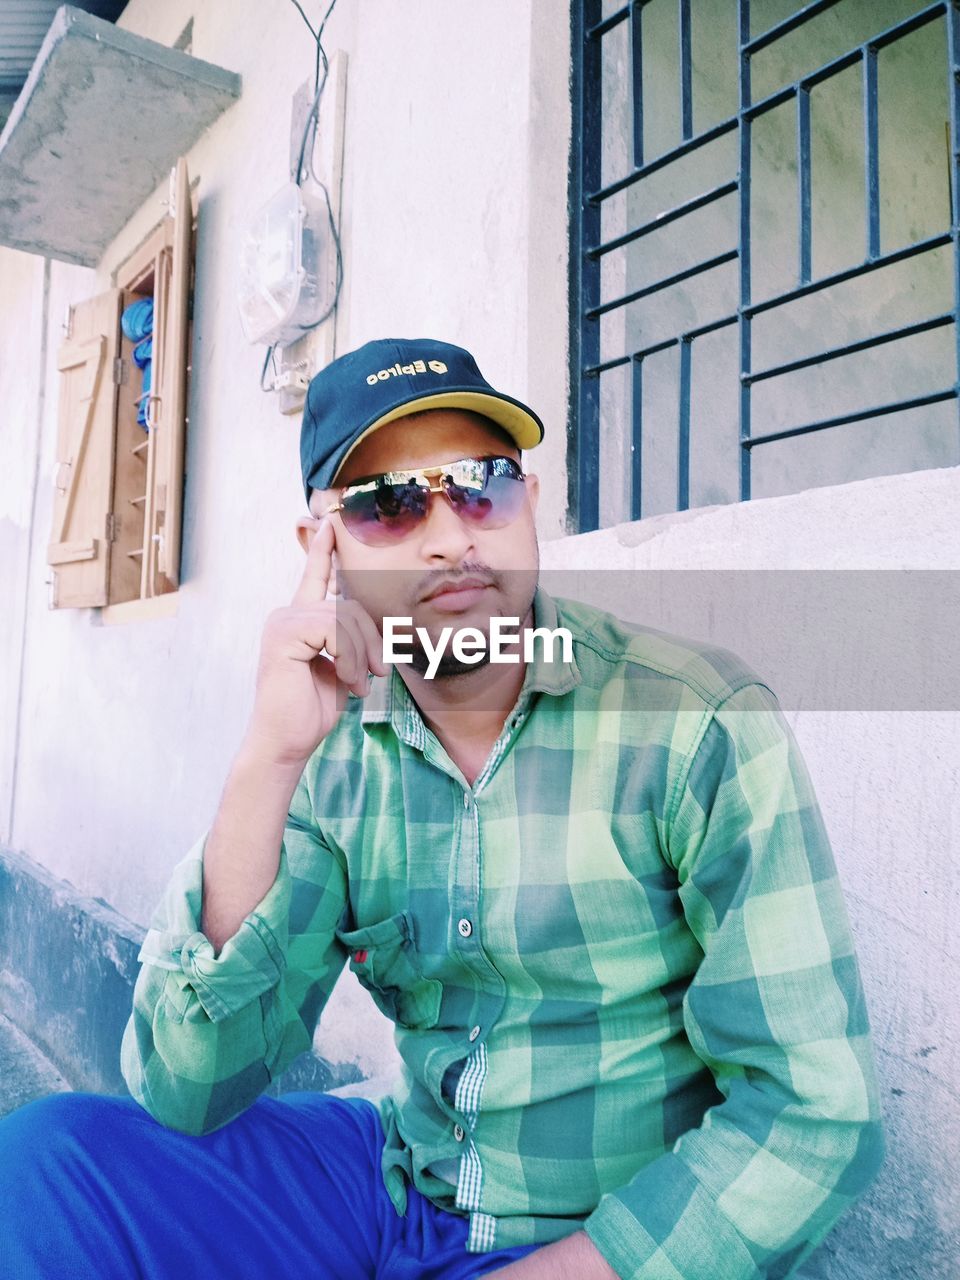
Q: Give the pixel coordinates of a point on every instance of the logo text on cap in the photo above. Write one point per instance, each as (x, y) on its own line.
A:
(418, 366)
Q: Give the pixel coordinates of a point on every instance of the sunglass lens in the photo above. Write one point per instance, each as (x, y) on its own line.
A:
(487, 492)
(492, 499)
(385, 513)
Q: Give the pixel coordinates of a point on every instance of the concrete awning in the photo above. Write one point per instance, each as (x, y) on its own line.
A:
(102, 117)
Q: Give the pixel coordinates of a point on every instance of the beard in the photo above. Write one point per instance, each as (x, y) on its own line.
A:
(449, 664)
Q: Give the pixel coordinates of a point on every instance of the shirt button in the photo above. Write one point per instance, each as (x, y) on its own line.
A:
(474, 1032)
(464, 928)
(458, 1132)
(466, 799)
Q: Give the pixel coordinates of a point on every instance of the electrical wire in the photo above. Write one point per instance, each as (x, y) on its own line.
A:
(299, 9)
(325, 17)
(270, 356)
(300, 173)
(317, 36)
(339, 252)
(318, 83)
(307, 146)
(310, 130)
(321, 27)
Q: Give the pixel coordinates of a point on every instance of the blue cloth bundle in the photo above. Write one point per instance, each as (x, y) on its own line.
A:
(137, 319)
(137, 325)
(143, 359)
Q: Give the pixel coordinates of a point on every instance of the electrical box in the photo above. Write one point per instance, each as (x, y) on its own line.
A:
(285, 274)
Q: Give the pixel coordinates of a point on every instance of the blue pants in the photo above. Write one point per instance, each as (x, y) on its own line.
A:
(93, 1188)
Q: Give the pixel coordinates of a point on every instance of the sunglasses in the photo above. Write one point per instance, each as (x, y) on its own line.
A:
(381, 510)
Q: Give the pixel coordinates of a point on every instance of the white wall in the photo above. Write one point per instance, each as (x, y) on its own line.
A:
(454, 225)
(888, 782)
(456, 140)
(21, 347)
(913, 205)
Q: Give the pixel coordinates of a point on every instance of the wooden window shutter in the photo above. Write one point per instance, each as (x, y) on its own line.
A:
(79, 550)
(169, 404)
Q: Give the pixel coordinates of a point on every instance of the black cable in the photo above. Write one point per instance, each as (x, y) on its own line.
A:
(321, 52)
(310, 128)
(325, 17)
(271, 350)
(307, 145)
(319, 84)
(299, 10)
(305, 328)
(317, 36)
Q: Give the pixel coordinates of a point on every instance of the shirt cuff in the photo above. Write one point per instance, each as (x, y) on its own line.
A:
(682, 1233)
(249, 963)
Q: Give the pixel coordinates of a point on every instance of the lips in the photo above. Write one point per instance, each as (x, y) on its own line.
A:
(455, 586)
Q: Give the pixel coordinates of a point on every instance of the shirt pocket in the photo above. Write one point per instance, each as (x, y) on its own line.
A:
(384, 958)
(177, 994)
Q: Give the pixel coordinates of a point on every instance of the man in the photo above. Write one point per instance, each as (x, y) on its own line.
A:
(593, 891)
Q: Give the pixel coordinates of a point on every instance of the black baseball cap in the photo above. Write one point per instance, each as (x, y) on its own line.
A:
(386, 380)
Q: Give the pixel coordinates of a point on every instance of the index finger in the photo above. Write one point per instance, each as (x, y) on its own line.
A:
(316, 571)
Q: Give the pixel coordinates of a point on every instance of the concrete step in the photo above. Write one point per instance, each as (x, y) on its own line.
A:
(25, 1073)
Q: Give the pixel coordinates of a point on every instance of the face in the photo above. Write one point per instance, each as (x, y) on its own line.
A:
(397, 580)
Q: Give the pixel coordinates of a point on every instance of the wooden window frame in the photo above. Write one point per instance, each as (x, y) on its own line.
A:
(118, 509)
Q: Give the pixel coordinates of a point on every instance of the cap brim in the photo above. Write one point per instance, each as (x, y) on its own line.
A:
(516, 419)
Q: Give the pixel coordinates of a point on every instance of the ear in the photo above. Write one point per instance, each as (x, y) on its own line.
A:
(533, 491)
(307, 527)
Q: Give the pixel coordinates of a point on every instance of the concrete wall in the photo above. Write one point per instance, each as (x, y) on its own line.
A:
(455, 152)
(23, 324)
(888, 782)
(118, 738)
(114, 741)
(913, 205)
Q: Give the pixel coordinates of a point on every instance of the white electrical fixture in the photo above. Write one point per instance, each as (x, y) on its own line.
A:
(286, 267)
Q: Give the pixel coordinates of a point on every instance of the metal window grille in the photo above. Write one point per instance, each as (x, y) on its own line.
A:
(782, 293)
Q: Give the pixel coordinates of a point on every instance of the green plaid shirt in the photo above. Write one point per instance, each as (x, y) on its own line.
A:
(620, 967)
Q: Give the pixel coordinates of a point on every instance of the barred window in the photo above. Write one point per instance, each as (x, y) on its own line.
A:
(764, 244)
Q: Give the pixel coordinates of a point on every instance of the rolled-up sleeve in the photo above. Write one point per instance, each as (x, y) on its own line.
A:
(208, 1032)
(775, 1010)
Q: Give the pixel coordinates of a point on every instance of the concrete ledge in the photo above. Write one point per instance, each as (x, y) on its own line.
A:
(102, 117)
(25, 1073)
(67, 969)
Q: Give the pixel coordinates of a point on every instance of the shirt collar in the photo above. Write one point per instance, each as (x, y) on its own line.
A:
(389, 691)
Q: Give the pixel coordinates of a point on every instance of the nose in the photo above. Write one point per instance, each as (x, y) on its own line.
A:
(444, 535)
